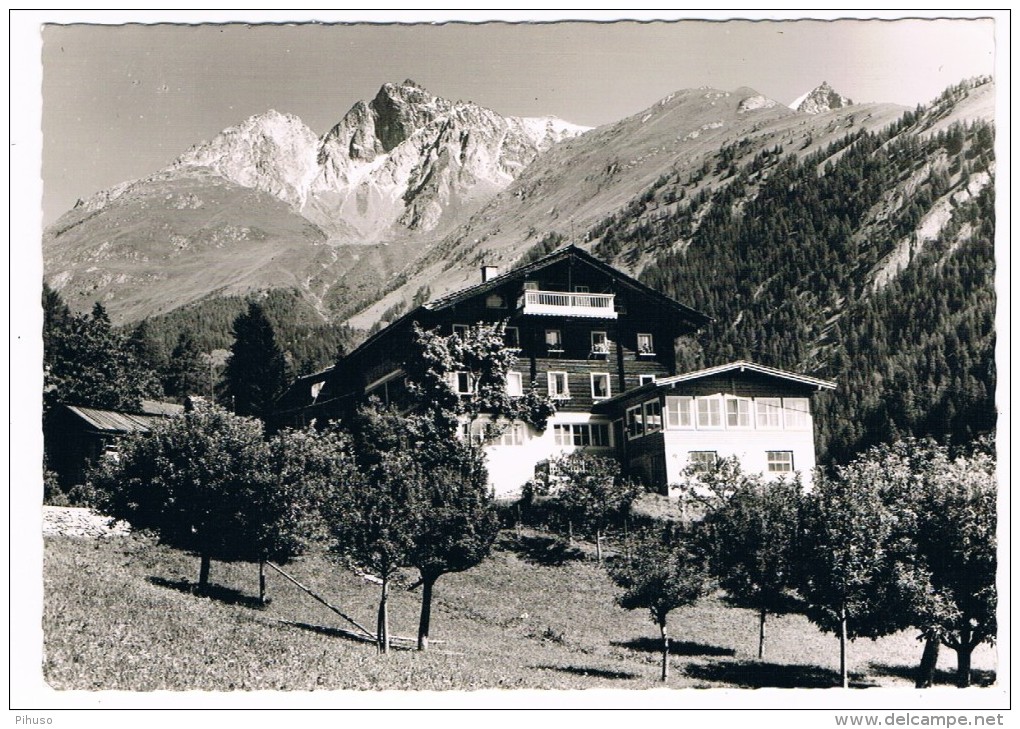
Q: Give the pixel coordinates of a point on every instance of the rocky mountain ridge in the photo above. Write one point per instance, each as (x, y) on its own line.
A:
(268, 204)
(820, 99)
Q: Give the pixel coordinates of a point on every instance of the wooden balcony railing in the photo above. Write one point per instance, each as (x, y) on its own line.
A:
(562, 303)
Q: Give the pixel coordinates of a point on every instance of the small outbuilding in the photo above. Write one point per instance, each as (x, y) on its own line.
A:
(77, 436)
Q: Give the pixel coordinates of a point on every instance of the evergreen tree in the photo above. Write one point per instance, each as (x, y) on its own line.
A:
(56, 321)
(256, 373)
(149, 356)
(186, 372)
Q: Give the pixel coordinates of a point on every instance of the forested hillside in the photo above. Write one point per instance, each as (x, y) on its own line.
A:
(309, 343)
(870, 263)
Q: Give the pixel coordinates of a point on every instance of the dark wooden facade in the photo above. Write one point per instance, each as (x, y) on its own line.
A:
(630, 312)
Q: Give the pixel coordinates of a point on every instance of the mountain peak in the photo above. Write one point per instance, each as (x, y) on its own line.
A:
(819, 100)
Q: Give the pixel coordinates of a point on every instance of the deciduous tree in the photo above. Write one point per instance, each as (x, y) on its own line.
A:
(592, 491)
(853, 582)
(374, 523)
(755, 537)
(88, 363)
(208, 483)
(943, 541)
(665, 571)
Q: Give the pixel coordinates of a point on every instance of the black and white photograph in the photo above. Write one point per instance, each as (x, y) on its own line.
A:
(493, 360)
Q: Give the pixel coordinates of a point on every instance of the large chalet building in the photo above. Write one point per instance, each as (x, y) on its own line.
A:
(601, 345)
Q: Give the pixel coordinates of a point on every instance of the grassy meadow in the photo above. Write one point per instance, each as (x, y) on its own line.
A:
(120, 614)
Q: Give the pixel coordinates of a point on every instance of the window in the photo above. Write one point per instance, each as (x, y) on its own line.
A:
(738, 412)
(461, 382)
(514, 384)
(645, 344)
(645, 379)
(599, 343)
(769, 412)
(512, 337)
(495, 301)
(559, 387)
(600, 435)
(780, 461)
(653, 416)
(796, 413)
(531, 285)
(678, 412)
(478, 432)
(595, 435)
(600, 385)
(475, 429)
(635, 423)
(709, 412)
(581, 289)
(460, 330)
(703, 460)
(513, 435)
(554, 340)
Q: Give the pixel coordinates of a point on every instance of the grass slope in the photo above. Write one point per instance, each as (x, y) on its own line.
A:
(119, 614)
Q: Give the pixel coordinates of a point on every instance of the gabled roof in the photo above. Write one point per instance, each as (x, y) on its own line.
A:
(113, 421)
(738, 366)
(569, 251)
(560, 254)
(741, 366)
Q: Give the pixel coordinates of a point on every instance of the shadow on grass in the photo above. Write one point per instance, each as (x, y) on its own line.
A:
(676, 647)
(542, 550)
(397, 642)
(219, 593)
(785, 604)
(590, 672)
(942, 678)
(753, 674)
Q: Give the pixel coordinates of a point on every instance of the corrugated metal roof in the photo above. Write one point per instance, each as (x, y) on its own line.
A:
(155, 407)
(111, 421)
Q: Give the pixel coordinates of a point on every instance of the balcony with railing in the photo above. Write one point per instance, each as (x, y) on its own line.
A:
(563, 303)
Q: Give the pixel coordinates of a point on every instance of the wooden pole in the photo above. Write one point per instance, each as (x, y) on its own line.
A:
(337, 610)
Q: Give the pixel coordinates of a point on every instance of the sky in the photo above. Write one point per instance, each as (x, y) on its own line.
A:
(122, 101)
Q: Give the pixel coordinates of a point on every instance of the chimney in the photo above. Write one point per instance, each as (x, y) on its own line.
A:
(489, 272)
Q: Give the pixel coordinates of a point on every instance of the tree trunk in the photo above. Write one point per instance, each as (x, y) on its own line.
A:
(598, 546)
(761, 634)
(383, 624)
(426, 612)
(203, 573)
(963, 653)
(570, 531)
(262, 582)
(843, 674)
(665, 649)
(929, 659)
